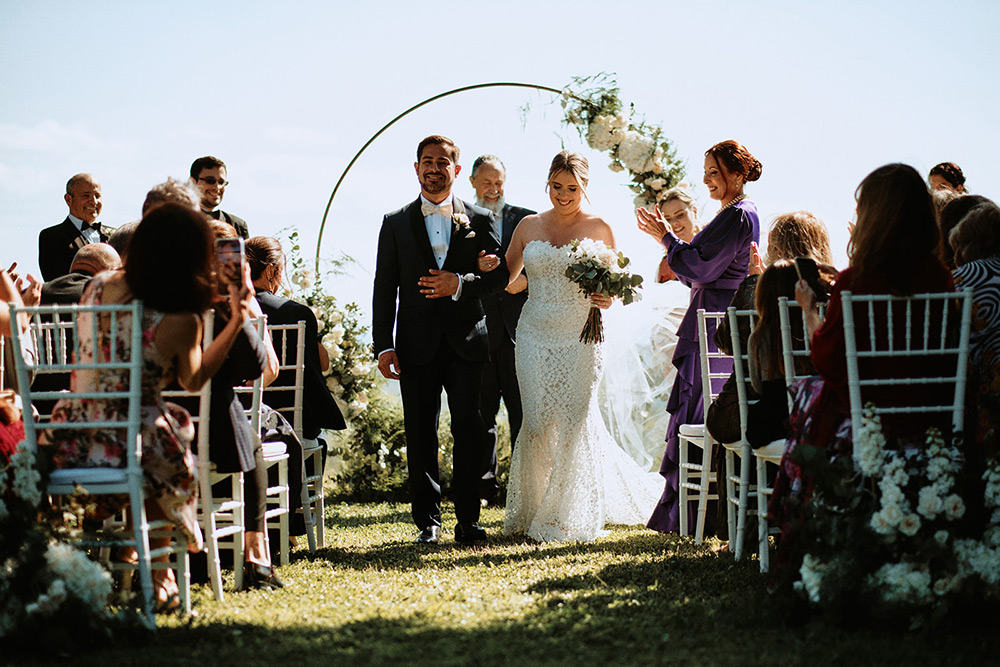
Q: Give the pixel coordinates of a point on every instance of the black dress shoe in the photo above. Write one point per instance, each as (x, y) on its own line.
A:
(470, 532)
(260, 576)
(428, 535)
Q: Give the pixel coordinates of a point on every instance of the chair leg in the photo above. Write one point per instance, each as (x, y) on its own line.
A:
(306, 498)
(763, 493)
(707, 446)
(283, 527)
(741, 519)
(731, 500)
(682, 480)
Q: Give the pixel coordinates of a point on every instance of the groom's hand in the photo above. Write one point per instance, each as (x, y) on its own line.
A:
(388, 365)
(439, 284)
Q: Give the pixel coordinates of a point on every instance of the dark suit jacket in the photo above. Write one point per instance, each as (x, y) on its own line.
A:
(404, 256)
(237, 222)
(57, 245)
(503, 309)
(67, 289)
(319, 410)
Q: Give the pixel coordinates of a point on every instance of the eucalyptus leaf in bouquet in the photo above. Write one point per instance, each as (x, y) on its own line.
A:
(596, 268)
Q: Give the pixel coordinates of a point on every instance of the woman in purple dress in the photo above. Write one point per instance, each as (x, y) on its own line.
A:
(713, 264)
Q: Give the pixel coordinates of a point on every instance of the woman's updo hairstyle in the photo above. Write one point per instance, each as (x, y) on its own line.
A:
(262, 252)
(680, 193)
(574, 163)
(736, 159)
(950, 172)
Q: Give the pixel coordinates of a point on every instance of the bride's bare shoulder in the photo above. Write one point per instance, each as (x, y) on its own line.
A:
(599, 230)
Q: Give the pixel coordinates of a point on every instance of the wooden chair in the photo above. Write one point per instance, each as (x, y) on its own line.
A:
(126, 320)
(220, 512)
(914, 329)
(289, 344)
(699, 476)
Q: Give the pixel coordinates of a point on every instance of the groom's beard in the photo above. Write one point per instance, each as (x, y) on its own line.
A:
(496, 207)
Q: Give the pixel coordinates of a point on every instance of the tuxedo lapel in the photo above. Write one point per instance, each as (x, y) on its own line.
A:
(507, 226)
(458, 233)
(419, 229)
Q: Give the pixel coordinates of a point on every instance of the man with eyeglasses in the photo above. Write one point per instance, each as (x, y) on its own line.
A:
(208, 174)
(57, 245)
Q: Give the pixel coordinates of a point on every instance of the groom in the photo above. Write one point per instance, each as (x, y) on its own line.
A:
(427, 257)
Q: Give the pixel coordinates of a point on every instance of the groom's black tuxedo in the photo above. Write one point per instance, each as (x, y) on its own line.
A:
(440, 343)
(57, 246)
(499, 376)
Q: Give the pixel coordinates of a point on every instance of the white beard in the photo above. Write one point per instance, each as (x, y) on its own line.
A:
(496, 207)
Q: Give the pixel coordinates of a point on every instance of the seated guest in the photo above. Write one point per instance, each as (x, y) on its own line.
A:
(976, 243)
(11, 426)
(89, 260)
(947, 176)
(949, 217)
(319, 409)
(176, 242)
(233, 445)
(893, 250)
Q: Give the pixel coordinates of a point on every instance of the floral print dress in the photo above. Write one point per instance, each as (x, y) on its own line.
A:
(167, 431)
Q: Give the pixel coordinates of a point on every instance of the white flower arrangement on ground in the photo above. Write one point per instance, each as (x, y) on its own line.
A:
(593, 106)
(595, 267)
(894, 528)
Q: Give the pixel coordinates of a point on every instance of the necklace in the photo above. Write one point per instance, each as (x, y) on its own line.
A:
(735, 200)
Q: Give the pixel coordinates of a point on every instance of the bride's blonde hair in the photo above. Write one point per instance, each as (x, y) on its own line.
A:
(575, 164)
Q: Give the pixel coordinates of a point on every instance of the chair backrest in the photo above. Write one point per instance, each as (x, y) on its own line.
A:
(716, 366)
(741, 364)
(916, 335)
(198, 403)
(795, 343)
(110, 337)
(287, 390)
(256, 391)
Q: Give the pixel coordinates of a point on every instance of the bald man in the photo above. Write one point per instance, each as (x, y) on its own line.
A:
(89, 260)
(57, 245)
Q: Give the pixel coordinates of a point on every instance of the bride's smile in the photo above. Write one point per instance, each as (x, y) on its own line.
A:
(565, 193)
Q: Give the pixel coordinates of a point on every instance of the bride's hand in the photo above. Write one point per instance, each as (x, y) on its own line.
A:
(652, 222)
(487, 263)
(601, 301)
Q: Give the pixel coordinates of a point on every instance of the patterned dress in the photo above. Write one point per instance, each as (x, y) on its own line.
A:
(167, 431)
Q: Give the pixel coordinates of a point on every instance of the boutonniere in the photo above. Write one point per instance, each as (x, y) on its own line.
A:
(461, 220)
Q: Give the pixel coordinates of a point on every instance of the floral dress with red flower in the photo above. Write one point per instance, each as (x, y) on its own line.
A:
(168, 464)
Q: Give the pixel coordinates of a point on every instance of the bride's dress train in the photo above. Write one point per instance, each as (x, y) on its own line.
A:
(568, 479)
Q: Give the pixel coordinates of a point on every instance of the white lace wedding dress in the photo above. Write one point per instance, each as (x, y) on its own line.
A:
(568, 479)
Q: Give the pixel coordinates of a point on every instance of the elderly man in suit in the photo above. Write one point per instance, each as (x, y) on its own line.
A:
(208, 175)
(502, 312)
(429, 332)
(57, 245)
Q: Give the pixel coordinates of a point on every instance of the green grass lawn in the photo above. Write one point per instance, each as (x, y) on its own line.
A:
(634, 597)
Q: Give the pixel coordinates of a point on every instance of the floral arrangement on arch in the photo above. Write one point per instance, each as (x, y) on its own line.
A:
(592, 105)
(898, 529)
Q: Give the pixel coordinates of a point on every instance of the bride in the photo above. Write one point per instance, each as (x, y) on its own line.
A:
(568, 479)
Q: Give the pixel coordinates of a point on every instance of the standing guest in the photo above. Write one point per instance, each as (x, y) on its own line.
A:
(947, 176)
(502, 312)
(57, 245)
(976, 243)
(713, 264)
(208, 175)
(679, 210)
(427, 259)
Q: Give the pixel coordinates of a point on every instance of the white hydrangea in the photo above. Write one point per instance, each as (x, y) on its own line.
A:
(976, 558)
(901, 582)
(992, 493)
(930, 503)
(636, 152)
(811, 573)
(26, 477)
(655, 183)
(84, 578)
(49, 601)
(602, 135)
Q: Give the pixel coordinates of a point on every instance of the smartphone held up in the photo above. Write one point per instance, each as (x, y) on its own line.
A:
(232, 258)
(809, 272)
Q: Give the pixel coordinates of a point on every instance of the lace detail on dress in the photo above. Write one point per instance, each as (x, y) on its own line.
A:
(567, 479)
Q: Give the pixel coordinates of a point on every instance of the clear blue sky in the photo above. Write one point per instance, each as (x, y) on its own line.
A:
(821, 93)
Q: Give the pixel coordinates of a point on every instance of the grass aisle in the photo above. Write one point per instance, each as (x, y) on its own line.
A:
(634, 597)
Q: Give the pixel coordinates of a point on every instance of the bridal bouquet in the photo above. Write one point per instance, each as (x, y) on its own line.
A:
(597, 268)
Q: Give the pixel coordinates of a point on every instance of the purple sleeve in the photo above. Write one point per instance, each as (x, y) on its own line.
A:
(708, 255)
